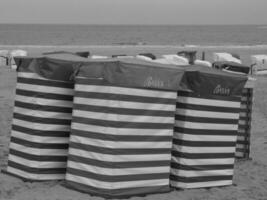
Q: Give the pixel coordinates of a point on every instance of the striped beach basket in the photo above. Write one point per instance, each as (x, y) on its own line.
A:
(122, 130)
(41, 124)
(244, 128)
(204, 141)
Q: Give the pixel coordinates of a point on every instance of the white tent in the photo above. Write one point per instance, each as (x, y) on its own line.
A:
(259, 64)
(225, 57)
(3, 57)
(16, 53)
(203, 63)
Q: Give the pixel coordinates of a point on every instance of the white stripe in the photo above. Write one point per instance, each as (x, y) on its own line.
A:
(116, 185)
(37, 76)
(196, 173)
(242, 122)
(239, 154)
(190, 137)
(125, 91)
(240, 146)
(208, 102)
(119, 144)
(197, 150)
(42, 114)
(119, 158)
(243, 106)
(201, 184)
(122, 118)
(241, 138)
(241, 130)
(124, 104)
(45, 89)
(40, 139)
(214, 161)
(208, 114)
(117, 172)
(244, 98)
(209, 126)
(243, 114)
(121, 131)
(46, 102)
(35, 176)
(38, 151)
(30, 75)
(38, 126)
(36, 164)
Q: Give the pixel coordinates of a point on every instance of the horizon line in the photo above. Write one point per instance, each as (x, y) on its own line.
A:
(122, 24)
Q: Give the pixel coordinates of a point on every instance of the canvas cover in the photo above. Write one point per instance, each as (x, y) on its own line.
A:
(244, 124)
(204, 140)
(206, 124)
(41, 119)
(122, 129)
(208, 81)
(232, 67)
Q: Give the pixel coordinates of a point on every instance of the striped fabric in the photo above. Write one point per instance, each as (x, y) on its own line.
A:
(121, 139)
(243, 138)
(40, 128)
(204, 141)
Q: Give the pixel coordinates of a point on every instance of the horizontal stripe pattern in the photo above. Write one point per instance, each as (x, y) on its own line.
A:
(40, 128)
(244, 124)
(126, 144)
(204, 141)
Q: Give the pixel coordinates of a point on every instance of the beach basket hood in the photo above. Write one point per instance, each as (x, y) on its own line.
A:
(135, 73)
(207, 81)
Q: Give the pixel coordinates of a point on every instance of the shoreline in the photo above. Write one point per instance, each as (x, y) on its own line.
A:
(264, 46)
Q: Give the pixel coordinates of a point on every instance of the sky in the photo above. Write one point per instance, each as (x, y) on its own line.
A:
(134, 11)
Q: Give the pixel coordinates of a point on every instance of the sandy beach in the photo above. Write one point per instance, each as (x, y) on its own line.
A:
(250, 179)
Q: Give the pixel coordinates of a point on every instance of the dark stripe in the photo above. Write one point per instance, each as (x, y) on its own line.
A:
(206, 119)
(205, 131)
(120, 151)
(123, 111)
(43, 95)
(118, 165)
(116, 193)
(244, 127)
(40, 132)
(178, 166)
(203, 155)
(200, 178)
(244, 150)
(203, 143)
(123, 97)
(207, 108)
(119, 124)
(33, 170)
(243, 142)
(246, 118)
(40, 145)
(118, 178)
(212, 97)
(47, 108)
(41, 120)
(41, 82)
(39, 158)
(125, 138)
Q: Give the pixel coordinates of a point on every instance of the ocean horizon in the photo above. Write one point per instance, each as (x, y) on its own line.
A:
(52, 35)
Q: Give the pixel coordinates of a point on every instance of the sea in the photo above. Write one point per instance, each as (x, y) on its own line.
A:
(134, 35)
